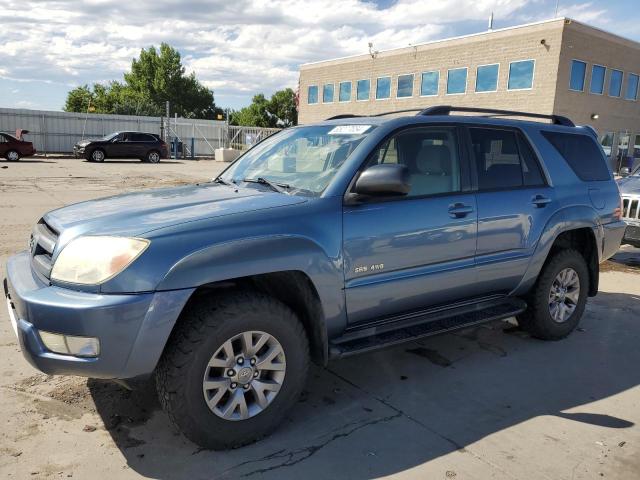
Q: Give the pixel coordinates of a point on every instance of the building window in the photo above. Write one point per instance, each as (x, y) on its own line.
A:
(456, 81)
(578, 72)
(598, 73)
(487, 78)
(405, 86)
(327, 93)
(383, 88)
(521, 75)
(615, 83)
(312, 94)
(429, 85)
(632, 87)
(362, 90)
(344, 94)
(607, 143)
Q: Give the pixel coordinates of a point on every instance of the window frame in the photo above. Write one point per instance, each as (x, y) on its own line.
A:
(413, 84)
(629, 75)
(612, 70)
(463, 156)
(466, 81)
(475, 88)
(333, 94)
(390, 87)
(604, 79)
(317, 94)
(369, 93)
(533, 75)
(584, 79)
(518, 132)
(437, 84)
(340, 90)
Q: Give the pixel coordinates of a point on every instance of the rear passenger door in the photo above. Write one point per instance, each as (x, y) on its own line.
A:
(514, 205)
(140, 144)
(406, 254)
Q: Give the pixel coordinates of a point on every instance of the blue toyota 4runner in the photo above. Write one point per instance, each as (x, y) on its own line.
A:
(322, 241)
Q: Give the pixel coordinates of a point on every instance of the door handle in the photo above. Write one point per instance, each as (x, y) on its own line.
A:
(540, 201)
(459, 210)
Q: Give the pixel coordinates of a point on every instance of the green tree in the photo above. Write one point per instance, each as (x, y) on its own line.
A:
(155, 77)
(279, 111)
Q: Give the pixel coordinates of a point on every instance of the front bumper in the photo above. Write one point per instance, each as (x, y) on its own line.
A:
(78, 152)
(632, 234)
(132, 328)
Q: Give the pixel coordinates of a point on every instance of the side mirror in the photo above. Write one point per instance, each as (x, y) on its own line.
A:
(624, 172)
(383, 180)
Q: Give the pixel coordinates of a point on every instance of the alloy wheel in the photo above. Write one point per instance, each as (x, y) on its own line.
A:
(244, 375)
(564, 295)
(13, 156)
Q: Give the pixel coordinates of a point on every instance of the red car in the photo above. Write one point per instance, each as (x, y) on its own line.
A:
(13, 148)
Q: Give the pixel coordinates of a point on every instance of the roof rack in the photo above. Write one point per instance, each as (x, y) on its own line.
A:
(447, 109)
(350, 115)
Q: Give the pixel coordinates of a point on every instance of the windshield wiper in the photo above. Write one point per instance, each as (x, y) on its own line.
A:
(278, 187)
(224, 182)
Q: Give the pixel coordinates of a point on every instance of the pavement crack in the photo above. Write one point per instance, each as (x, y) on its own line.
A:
(290, 458)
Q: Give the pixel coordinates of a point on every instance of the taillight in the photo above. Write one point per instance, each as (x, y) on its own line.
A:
(617, 212)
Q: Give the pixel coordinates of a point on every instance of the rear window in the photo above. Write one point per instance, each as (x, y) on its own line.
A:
(582, 154)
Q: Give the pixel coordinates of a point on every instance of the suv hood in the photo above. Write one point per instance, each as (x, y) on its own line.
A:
(134, 214)
(630, 185)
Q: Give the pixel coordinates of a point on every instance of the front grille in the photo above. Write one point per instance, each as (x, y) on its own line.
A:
(43, 242)
(631, 208)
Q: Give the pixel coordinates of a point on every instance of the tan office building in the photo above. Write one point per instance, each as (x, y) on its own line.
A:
(558, 66)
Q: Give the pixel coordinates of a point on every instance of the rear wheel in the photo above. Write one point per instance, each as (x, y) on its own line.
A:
(153, 156)
(12, 156)
(233, 369)
(557, 301)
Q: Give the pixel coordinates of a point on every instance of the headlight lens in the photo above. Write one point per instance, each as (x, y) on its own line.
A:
(93, 260)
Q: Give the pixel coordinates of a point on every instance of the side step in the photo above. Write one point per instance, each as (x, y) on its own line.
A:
(420, 325)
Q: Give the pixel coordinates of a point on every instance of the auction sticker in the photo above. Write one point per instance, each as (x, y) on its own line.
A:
(349, 129)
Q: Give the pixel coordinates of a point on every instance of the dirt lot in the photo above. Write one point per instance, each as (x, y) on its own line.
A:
(488, 402)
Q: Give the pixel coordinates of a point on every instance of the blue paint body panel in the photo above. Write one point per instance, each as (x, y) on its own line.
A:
(366, 261)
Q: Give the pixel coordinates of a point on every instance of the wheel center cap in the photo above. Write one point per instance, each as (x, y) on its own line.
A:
(245, 375)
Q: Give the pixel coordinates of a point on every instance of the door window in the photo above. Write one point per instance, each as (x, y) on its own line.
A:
(430, 154)
(504, 159)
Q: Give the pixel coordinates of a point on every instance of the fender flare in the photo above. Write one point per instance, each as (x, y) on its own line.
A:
(564, 220)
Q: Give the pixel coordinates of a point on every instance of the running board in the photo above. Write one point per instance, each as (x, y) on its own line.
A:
(422, 325)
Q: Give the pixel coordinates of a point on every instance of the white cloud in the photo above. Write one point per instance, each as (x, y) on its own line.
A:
(238, 48)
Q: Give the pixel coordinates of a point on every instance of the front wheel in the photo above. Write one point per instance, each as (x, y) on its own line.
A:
(97, 155)
(13, 156)
(233, 369)
(558, 299)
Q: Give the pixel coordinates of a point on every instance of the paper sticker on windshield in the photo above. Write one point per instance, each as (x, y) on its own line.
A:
(349, 129)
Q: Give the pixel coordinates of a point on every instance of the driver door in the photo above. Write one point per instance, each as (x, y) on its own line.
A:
(118, 146)
(409, 253)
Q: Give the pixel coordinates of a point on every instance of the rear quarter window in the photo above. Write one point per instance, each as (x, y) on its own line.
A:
(581, 153)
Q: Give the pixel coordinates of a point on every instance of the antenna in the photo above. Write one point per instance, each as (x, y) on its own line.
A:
(557, 5)
(491, 21)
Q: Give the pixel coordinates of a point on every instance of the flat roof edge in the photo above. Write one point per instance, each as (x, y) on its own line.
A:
(449, 39)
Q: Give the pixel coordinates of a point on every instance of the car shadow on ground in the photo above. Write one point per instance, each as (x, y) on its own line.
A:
(108, 160)
(25, 160)
(393, 410)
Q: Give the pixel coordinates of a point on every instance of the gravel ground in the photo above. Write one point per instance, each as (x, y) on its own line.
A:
(488, 402)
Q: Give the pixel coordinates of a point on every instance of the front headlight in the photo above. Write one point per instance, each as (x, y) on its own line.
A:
(92, 260)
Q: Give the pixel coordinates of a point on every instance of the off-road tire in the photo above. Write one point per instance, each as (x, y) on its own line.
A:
(203, 327)
(537, 319)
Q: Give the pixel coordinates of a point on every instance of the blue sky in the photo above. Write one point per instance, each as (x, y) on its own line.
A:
(242, 47)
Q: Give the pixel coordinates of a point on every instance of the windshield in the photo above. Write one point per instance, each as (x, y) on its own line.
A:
(302, 159)
(106, 138)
